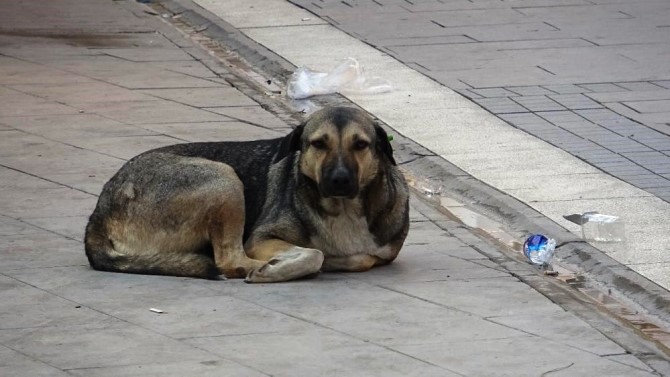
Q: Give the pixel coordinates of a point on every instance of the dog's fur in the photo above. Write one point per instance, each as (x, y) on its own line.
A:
(327, 196)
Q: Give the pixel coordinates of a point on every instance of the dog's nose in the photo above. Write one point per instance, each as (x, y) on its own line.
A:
(341, 183)
(340, 178)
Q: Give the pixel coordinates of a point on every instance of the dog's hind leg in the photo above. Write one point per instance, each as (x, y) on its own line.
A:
(285, 261)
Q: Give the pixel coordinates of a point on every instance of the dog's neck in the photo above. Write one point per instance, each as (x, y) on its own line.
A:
(340, 206)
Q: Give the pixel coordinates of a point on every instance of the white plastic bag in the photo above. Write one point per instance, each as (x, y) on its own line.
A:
(347, 77)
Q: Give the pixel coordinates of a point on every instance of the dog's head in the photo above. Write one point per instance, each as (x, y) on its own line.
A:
(341, 150)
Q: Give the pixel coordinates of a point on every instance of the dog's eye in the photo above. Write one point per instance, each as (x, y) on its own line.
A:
(318, 144)
(360, 145)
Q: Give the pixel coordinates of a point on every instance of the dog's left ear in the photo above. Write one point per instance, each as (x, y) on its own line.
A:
(290, 143)
(383, 144)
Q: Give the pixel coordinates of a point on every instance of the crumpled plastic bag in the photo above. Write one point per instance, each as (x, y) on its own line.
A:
(347, 77)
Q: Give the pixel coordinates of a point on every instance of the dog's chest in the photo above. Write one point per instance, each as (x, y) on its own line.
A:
(345, 234)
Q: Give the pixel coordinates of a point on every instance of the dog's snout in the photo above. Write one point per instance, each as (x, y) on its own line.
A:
(341, 178)
(340, 182)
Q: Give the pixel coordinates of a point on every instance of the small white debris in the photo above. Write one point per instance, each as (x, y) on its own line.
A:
(306, 19)
(156, 311)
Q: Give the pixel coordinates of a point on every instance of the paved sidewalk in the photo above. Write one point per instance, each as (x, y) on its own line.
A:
(84, 86)
(590, 77)
(559, 158)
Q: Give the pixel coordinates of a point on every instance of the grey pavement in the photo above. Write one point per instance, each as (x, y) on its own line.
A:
(84, 86)
(590, 77)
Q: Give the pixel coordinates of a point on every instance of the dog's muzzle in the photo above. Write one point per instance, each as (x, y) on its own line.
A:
(339, 181)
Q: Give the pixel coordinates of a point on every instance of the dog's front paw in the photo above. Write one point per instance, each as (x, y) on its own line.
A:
(292, 264)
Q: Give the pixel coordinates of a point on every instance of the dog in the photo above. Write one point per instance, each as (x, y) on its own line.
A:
(326, 197)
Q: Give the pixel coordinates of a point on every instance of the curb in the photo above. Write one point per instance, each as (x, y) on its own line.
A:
(573, 253)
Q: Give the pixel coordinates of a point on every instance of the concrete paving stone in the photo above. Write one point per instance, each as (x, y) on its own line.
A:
(562, 116)
(529, 90)
(215, 131)
(521, 119)
(659, 168)
(511, 357)
(78, 92)
(204, 97)
(481, 297)
(656, 106)
(153, 79)
(518, 163)
(575, 101)
(477, 17)
(602, 87)
(621, 125)
(13, 363)
(33, 202)
(209, 368)
(631, 360)
(639, 86)
(34, 106)
(633, 95)
(581, 127)
(42, 157)
(649, 181)
(565, 187)
(199, 317)
(70, 128)
(29, 74)
(72, 227)
(274, 14)
(21, 251)
(565, 88)
(420, 41)
(645, 158)
(510, 32)
(10, 226)
(250, 114)
(597, 115)
(140, 112)
(28, 307)
(89, 181)
(493, 92)
(82, 284)
(126, 147)
(191, 68)
(565, 328)
(624, 146)
(419, 265)
(402, 321)
(316, 352)
(467, 93)
(113, 344)
(156, 54)
(663, 83)
(538, 103)
(452, 247)
(575, 146)
(501, 105)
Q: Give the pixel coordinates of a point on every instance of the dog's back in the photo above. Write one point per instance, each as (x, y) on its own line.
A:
(152, 181)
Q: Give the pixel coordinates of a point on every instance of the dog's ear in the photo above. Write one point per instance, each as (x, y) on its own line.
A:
(383, 144)
(290, 143)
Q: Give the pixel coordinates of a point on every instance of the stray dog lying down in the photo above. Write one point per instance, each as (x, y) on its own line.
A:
(328, 196)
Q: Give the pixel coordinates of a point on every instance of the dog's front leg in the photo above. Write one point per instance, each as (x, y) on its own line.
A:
(285, 261)
(352, 263)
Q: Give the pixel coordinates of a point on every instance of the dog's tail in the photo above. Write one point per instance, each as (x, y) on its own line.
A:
(102, 256)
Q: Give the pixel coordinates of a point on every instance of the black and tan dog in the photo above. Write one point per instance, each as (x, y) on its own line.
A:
(328, 196)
